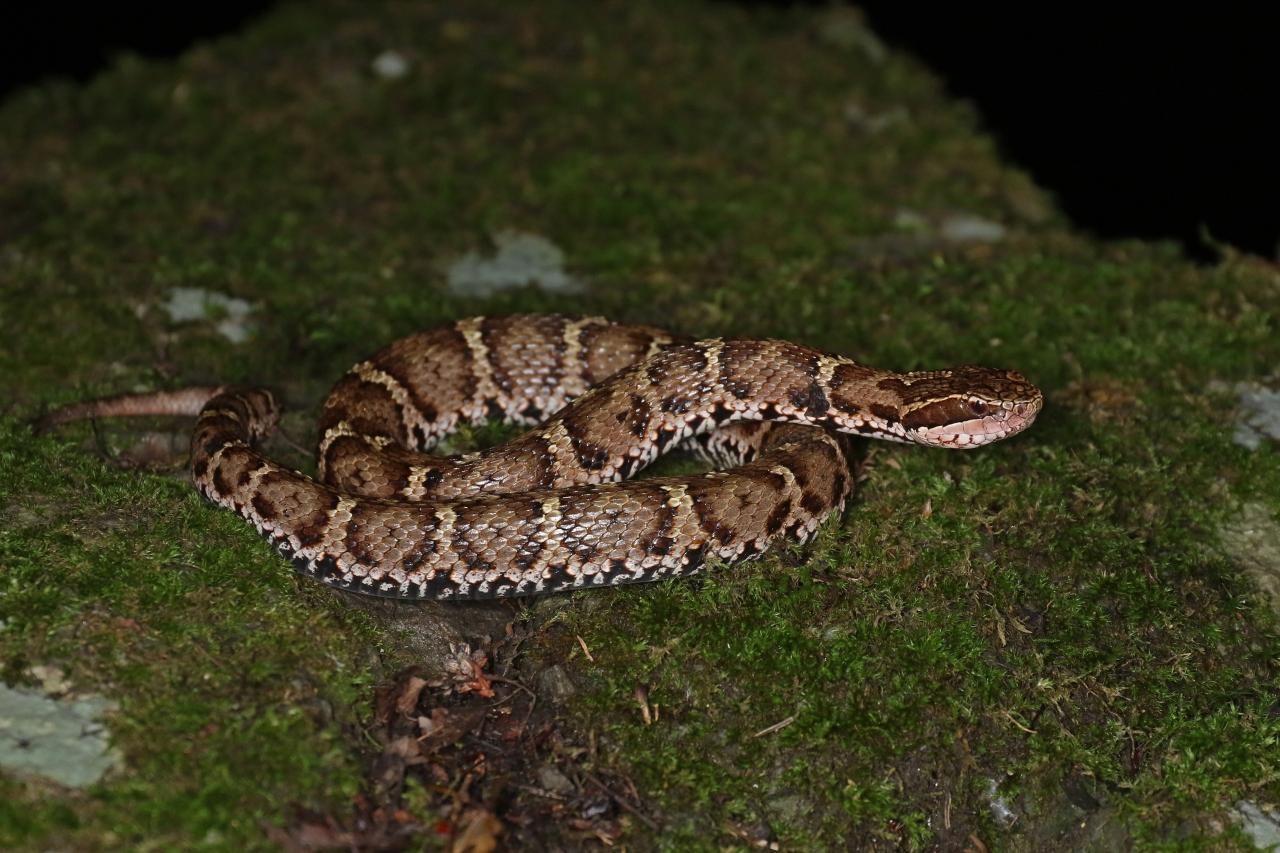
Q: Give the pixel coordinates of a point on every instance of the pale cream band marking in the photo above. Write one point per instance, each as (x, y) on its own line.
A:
(343, 429)
(681, 501)
(255, 480)
(826, 371)
(215, 460)
(571, 337)
(657, 344)
(909, 379)
(911, 407)
(561, 449)
(226, 413)
(410, 417)
(548, 535)
(331, 540)
(417, 485)
(785, 473)
(486, 389)
(713, 351)
(445, 518)
(572, 365)
(678, 496)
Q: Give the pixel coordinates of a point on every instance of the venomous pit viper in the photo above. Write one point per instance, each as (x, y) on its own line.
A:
(553, 509)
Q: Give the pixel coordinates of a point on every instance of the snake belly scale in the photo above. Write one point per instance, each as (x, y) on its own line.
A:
(553, 509)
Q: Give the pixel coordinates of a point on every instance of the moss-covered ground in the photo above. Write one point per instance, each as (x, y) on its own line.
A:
(1034, 646)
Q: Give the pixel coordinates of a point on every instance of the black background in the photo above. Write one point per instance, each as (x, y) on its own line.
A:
(1151, 123)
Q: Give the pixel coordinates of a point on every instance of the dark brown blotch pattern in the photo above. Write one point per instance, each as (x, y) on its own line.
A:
(601, 536)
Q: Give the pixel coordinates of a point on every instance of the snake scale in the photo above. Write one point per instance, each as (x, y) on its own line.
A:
(553, 508)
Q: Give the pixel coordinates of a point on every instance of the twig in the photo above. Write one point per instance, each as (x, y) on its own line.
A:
(620, 800)
(778, 726)
(539, 792)
(502, 679)
(1014, 720)
(642, 699)
(533, 697)
(285, 438)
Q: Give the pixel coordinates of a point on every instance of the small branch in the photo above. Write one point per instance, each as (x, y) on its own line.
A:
(622, 801)
(1014, 720)
(778, 726)
(586, 651)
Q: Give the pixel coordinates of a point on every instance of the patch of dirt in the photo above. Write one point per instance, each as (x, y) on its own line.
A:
(1074, 816)
(937, 779)
(427, 631)
(477, 760)
(1102, 399)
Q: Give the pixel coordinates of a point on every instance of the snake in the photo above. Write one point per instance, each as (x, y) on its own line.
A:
(557, 508)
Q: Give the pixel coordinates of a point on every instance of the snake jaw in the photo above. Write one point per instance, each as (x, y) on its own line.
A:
(994, 405)
(1002, 420)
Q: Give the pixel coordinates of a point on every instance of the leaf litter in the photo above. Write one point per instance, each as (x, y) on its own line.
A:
(474, 758)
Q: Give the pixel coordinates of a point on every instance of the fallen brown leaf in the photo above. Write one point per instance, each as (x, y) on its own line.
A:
(449, 728)
(479, 832)
(408, 698)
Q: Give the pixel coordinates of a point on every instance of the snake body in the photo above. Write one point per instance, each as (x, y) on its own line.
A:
(553, 508)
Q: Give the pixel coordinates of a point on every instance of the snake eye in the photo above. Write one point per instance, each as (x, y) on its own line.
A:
(978, 407)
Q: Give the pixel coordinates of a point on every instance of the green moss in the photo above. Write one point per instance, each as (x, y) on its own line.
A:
(1052, 607)
(234, 691)
(1054, 603)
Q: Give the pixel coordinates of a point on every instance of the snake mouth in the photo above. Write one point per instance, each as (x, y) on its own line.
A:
(1001, 421)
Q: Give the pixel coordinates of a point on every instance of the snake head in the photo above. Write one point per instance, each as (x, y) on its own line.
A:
(966, 407)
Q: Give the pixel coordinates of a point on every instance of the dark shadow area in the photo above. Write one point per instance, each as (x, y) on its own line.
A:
(75, 40)
(1144, 122)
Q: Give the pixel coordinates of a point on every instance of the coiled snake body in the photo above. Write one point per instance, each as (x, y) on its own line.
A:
(547, 511)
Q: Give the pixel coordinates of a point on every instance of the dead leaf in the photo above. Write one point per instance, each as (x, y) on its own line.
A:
(449, 728)
(311, 833)
(406, 748)
(479, 832)
(408, 698)
(758, 836)
(642, 699)
(465, 668)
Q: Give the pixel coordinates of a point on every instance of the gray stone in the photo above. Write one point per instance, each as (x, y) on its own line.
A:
(1262, 825)
(555, 685)
(1259, 416)
(1001, 811)
(910, 220)
(862, 119)
(551, 779)
(968, 228)
(521, 259)
(187, 304)
(62, 740)
(790, 807)
(390, 65)
(1252, 540)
